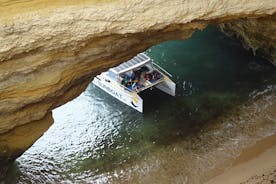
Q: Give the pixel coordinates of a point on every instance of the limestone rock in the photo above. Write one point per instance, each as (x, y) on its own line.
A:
(16, 141)
(51, 50)
(259, 35)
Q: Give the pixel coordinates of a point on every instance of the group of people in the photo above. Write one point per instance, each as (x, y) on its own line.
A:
(135, 80)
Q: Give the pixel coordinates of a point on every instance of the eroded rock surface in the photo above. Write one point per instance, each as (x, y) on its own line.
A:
(49, 52)
(258, 35)
(18, 140)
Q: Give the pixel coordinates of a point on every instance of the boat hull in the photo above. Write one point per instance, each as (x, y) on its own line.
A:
(167, 86)
(131, 99)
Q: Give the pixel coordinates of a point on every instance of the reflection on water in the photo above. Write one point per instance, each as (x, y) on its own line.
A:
(95, 138)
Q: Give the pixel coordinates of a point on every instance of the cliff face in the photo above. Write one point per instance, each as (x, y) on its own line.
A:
(258, 35)
(50, 51)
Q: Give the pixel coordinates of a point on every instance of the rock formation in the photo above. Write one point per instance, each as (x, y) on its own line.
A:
(51, 50)
(258, 35)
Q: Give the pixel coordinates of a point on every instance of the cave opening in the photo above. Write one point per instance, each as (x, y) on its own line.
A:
(96, 137)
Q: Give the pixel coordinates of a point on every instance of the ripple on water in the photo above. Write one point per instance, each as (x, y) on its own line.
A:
(204, 154)
(223, 104)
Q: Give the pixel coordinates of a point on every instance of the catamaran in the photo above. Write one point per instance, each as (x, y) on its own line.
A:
(128, 79)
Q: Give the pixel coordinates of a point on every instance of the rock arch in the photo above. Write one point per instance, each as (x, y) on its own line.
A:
(50, 54)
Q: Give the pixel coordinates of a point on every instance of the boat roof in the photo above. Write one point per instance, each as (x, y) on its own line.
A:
(139, 60)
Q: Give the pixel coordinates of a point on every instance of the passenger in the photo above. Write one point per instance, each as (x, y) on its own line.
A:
(130, 74)
(124, 81)
(133, 86)
(142, 77)
(128, 85)
(147, 77)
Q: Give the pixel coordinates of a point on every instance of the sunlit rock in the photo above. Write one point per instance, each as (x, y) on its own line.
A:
(50, 51)
(16, 141)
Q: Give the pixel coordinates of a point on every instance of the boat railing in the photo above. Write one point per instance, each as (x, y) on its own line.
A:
(151, 84)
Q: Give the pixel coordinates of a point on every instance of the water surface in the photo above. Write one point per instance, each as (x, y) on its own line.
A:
(95, 138)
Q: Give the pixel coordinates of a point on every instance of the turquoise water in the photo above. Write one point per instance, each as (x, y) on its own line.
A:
(95, 135)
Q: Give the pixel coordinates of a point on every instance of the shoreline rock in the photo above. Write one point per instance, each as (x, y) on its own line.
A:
(257, 35)
(15, 142)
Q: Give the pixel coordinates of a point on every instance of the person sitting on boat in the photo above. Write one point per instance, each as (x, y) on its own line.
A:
(130, 74)
(148, 77)
(124, 81)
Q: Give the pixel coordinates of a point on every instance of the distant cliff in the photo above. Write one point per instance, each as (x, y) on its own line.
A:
(50, 51)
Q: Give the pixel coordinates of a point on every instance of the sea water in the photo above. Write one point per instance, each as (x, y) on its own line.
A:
(95, 138)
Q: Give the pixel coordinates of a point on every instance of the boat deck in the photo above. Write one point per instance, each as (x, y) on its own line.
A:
(150, 84)
(125, 81)
(140, 82)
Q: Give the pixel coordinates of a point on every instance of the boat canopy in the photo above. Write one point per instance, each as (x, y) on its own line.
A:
(138, 61)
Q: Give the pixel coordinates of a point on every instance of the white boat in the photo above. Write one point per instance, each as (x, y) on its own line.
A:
(127, 80)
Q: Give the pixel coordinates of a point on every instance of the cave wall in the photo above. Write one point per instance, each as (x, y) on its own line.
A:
(257, 35)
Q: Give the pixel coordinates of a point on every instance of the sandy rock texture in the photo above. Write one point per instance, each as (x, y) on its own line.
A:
(268, 177)
(50, 50)
(258, 35)
(18, 140)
